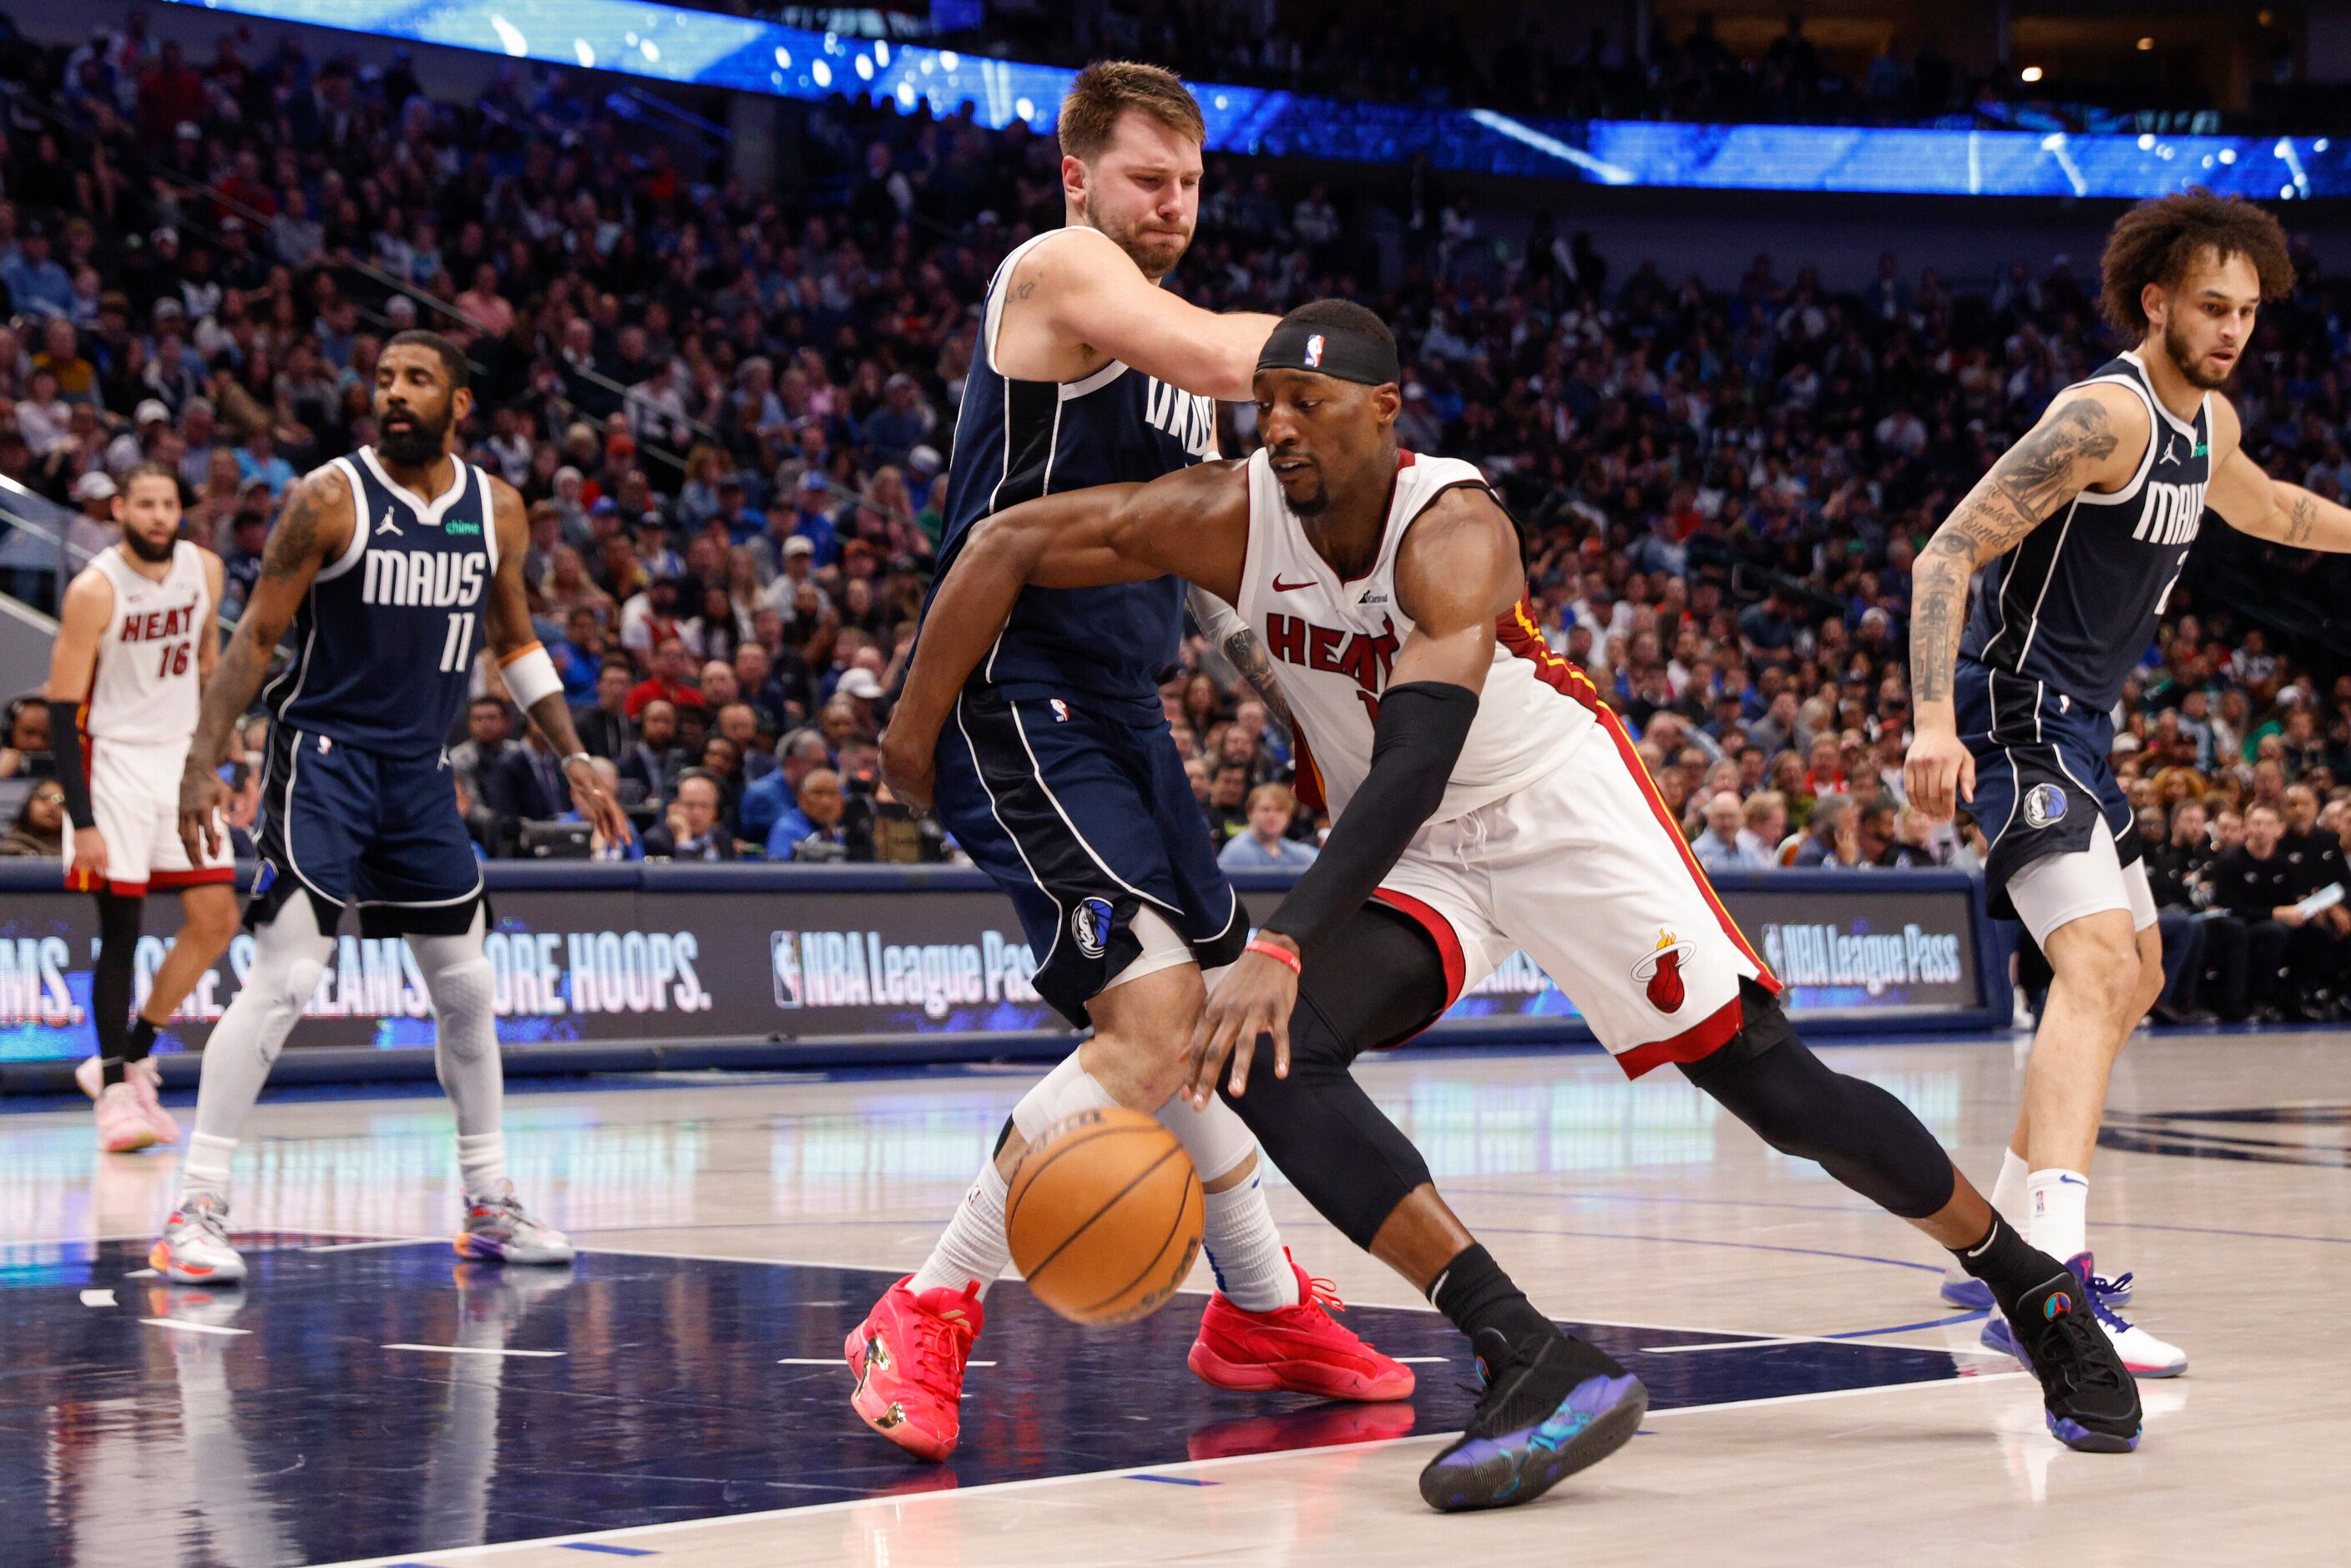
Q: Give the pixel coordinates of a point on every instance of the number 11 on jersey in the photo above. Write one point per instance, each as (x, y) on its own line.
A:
(459, 646)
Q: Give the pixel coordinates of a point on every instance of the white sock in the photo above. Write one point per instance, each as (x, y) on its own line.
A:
(2059, 1214)
(1245, 1251)
(481, 1161)
(1238, 1231)
(973, 1251)
(205, 1168)
(2008, 1193)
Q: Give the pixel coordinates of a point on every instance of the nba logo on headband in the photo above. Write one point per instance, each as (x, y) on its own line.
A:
(1314, 351)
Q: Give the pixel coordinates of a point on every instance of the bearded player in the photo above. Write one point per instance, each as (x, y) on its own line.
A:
(2079, 532)
(1486, 801)
(135, 642)
(1059, 776)
(392, 567)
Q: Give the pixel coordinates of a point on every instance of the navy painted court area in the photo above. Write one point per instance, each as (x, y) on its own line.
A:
(361, 1401)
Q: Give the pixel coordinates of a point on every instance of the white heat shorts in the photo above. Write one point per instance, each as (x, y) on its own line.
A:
(134, 796)
(1586, 872)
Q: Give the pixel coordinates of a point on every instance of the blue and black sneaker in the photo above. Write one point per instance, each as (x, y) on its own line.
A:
(2089, 1396)
(1552, 1407)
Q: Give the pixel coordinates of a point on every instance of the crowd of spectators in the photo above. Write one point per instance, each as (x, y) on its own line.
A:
(729, 411)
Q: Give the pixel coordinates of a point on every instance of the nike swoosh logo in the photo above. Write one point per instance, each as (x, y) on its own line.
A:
(1281, 587)
(2070, 1181)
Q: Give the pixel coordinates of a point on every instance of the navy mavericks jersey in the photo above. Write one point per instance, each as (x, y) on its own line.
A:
(1017, 440)
(2074, 605)
(384, 642)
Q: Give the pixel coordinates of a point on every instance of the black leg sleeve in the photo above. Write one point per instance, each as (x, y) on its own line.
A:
(1377, 982)
(1770, 1078)
(110, 979)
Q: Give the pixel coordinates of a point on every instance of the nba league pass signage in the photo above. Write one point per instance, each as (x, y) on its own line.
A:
(664, 955)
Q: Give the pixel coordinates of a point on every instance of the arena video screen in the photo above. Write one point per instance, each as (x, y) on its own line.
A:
(619, 963)
(677, 44)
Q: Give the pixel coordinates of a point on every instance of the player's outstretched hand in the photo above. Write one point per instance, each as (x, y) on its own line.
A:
(89, 852)
(1940, 772)
(201, 797)
(1253, 997)
(596, 802)
(907, 763)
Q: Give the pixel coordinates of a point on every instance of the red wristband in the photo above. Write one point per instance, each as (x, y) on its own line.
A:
(1278, 953)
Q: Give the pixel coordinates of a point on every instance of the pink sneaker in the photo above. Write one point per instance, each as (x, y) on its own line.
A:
(123, 1124)
(147, 1079)
(909, 1357)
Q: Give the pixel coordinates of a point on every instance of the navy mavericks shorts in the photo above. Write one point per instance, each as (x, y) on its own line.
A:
(372, 829)
(2042, 776)
(1078, 808)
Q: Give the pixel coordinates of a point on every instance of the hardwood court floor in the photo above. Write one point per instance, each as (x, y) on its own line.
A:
(676, 1399)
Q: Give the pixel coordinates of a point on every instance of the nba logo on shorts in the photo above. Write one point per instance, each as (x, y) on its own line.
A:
(1314, 351)
(1061, 710)
(784, 952)
(1090, 924)
(2043, 804)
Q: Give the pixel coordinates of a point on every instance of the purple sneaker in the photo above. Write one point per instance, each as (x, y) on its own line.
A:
(1552, 1407)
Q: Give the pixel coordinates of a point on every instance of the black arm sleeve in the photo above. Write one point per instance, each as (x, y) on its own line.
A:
(1422, 727)
(65, 748)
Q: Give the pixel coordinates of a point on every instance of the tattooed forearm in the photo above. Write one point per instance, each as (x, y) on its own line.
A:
(1256, 666)
(2031, 479)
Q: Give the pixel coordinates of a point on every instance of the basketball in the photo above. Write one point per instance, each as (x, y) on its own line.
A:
(1105, 1216)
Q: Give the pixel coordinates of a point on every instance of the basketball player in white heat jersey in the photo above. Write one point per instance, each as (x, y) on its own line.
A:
(1485, 799)
(135, 641)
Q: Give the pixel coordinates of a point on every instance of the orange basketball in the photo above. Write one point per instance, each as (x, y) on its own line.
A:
(1105, 1216)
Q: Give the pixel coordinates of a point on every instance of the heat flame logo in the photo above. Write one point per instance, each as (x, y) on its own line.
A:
(1661, 971)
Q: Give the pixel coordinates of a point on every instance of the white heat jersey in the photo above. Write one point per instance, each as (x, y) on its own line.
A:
(1333, 641)
(144, 692)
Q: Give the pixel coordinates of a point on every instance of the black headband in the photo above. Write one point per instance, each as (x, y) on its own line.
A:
(1328, 351)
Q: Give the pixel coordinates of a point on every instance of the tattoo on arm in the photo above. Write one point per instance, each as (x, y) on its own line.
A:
(1248, 653)
(2030, 482)
(2301, 519)
(291, 554)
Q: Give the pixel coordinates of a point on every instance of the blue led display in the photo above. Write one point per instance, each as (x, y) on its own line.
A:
(668, 44)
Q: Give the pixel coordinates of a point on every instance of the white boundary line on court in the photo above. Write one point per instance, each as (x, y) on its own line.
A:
(1733, 1336)
(433, 1559)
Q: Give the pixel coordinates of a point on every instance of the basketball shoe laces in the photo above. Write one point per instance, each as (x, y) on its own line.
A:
(205, 1214)
(2100, 1288)
(941, 1343)
(2083, 1368)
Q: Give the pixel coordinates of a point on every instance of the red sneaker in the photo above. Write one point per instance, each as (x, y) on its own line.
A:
(1299, 1349)
(908, 1355)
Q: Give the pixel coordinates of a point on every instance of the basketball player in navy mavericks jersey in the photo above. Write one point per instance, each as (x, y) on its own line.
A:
(393, 567)
(1060, 779)
(2079, 532)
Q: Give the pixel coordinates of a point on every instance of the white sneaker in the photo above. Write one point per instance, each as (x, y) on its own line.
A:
(499, 1229)
(194, 1250)
(2145, 1355)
